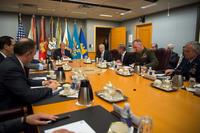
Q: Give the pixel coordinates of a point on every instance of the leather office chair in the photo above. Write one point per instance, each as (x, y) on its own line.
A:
(13, 113)
(163, 56)
(115, 54)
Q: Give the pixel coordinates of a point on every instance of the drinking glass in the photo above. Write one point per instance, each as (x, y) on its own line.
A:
(145, 125)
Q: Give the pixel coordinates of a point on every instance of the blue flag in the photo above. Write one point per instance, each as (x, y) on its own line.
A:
(76, 51)
(71, 44)
(83, 44)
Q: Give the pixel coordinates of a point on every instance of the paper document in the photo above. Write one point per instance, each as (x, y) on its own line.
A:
(77, 127)
(37, 87)
(40, 78)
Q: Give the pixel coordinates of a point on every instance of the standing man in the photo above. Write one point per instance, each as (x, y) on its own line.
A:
(190, 64)
(15, 87)
(6, 47)
(126, 57)
(103, 54)
(144, 56)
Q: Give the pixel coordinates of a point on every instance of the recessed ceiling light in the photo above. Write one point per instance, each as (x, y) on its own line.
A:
(45, 9)
(83, 13)
(105, 15)
(150, 5)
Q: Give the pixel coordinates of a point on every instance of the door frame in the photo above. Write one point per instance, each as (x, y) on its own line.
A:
(99, 26)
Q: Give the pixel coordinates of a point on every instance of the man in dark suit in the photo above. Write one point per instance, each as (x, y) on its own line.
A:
(6, 47)
(15, 87)
(126, 57)
(190, 64)
(174, 58)
(103, 54)
(61, 52)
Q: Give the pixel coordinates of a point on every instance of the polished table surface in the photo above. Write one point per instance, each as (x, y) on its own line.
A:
(172, 112)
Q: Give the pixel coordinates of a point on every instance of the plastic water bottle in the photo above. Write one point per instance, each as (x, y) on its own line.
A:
(126, 115)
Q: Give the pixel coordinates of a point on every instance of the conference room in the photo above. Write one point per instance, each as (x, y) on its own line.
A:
(100, 66)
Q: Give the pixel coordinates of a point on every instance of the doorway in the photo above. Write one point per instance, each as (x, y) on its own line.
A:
(144, 33)
(103, 36)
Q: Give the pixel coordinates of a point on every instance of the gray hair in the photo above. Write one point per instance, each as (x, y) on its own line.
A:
(195, 45)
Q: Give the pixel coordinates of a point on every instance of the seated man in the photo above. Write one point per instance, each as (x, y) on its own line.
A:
(144, 56)
(173, 59)
(190, 64)
(154, 47)
(6, 47)
(19, 124)
(103, 54)
(126, 57)
(15, 87)
(61, 52)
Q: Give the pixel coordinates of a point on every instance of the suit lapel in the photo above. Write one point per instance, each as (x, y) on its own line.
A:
(14, 58)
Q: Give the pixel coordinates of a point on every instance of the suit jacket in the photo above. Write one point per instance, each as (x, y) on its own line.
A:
(190, 69)
(128, 59)
(57, 53)
(1, 57)
(106, 55)
(15, 86)
(173, 60)
(11, 126)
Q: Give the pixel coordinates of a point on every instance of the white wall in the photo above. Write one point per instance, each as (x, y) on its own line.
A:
(178, 28)
(8, 24)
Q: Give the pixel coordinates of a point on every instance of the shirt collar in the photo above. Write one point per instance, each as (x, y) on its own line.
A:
(21, 63)
(124, 53)
(3, 54)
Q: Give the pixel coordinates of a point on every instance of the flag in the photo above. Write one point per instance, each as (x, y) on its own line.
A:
(83, 44)
(32, 31)
(52, 40)
(43, 40)
(20, 31)
(76, 53)
(58, 32)
(67, 38)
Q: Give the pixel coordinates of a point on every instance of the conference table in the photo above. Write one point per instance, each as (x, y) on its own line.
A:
(171, 112)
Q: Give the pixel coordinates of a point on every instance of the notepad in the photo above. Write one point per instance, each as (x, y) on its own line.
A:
(77, 127)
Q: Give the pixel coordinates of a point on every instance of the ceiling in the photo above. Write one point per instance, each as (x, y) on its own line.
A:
(74, 10)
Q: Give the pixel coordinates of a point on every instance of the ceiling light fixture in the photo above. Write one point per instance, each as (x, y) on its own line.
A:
(105, 15)
(83, 13)
(150, 5)
(124, 13)
(46, 9)
(168, 9)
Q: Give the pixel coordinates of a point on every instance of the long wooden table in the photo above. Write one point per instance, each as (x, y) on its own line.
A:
(174, 112)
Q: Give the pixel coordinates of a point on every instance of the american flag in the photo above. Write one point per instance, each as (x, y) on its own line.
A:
(20, 32)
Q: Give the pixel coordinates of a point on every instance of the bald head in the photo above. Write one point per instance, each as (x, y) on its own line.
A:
(101, 47)
(23, 46)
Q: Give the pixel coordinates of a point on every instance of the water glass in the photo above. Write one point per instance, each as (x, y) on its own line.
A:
(145, 125)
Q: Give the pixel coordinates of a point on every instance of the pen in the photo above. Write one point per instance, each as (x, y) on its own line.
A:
(62, 117)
